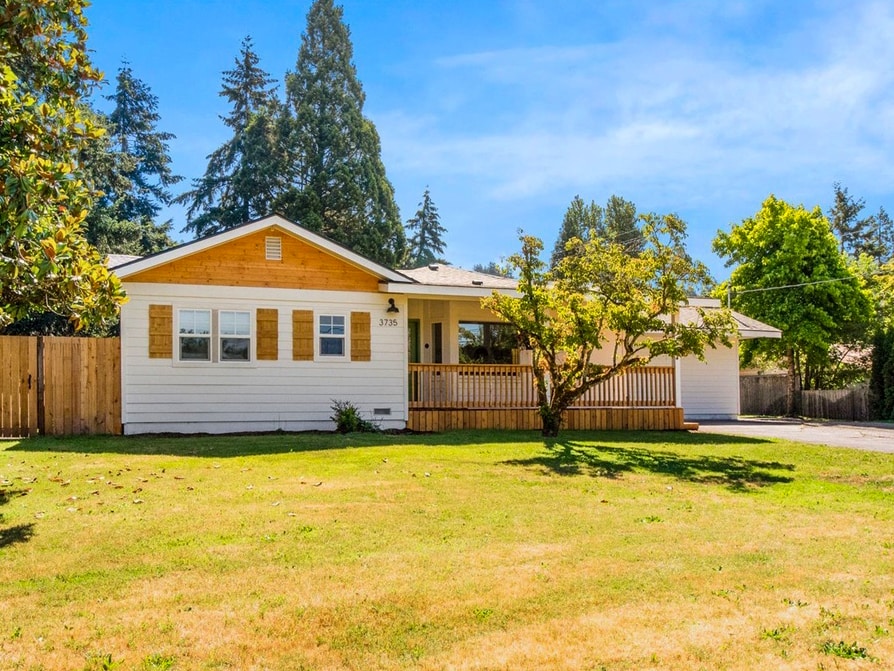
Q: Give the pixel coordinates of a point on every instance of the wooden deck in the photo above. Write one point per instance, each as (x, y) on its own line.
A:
(468, 396)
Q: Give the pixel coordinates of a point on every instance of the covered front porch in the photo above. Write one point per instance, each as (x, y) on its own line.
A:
(466, 371)
(503, 396)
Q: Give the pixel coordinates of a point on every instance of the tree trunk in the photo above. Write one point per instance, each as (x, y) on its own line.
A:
(552, 421)
(790, 404)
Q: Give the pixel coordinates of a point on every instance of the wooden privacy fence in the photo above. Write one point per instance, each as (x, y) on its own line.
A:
(845, 404)
(762, 394)
(59, 386)
(498, 386)
(766, 395)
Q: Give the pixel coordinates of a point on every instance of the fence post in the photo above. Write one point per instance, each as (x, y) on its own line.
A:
(41, 409)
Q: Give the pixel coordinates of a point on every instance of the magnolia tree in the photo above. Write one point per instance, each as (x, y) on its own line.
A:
(599, 296)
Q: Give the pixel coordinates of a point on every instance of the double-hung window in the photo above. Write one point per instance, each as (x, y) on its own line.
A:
(195, 335)
(331, 334)
(214, 335)
(235, 335)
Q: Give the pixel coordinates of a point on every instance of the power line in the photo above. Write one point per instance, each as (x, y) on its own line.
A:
(729, 290)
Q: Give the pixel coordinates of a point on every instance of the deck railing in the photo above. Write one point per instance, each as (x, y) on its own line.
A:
(484, 386)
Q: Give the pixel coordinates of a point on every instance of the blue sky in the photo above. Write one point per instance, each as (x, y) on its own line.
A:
(507, 109)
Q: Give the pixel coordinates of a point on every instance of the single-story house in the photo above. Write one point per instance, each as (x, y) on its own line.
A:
(264, 326)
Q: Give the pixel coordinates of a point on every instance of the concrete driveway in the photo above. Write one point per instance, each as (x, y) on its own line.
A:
(861, 436)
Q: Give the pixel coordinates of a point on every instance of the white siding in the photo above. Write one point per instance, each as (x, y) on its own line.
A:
(164, 395)
(710, 388)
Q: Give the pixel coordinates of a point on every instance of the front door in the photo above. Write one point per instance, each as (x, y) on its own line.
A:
(413, 357)
(413, 341)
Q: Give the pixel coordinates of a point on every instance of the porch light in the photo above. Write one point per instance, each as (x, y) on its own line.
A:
(392, 308)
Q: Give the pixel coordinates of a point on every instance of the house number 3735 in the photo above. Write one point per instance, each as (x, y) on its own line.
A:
(388, 322)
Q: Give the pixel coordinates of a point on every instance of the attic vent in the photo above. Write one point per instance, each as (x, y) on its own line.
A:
(477, 283)
(274, 248)
(433, 266)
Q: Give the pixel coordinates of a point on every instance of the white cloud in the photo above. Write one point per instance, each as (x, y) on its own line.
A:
(649, 113)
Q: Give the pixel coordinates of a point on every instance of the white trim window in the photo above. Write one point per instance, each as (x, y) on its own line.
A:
(214, 336)
(331, 336)
(234, 329)
(194, 335)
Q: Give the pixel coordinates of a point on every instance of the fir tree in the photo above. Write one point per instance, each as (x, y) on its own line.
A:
(337, 182)
(134, 133)
(493, 268)
(884, 236)
(579, 220)
(425, 242)
(620, 225)
(242, 176)
(106, 169)
(616, 222)
(130, 169)
(843, 215)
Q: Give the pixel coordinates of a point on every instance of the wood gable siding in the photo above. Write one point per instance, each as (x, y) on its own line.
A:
(243, 263)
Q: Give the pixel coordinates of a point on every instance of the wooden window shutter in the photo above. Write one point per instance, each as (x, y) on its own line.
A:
(361, 346)
(161, 331)
(303, 335)
(268, 334)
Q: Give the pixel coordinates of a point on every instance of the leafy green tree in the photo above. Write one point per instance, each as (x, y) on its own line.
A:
(790, 272)
(426, 243)
(243, 175)
(337, 182)
(46, 264)
(602, 295)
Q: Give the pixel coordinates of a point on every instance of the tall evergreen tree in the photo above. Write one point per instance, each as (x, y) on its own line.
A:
(616, 222)
(134, 132)
(492, 268)
(884, 236)
(853, 233)
(130, 168)
(425, 242)
(579, 220)
(337, 182)
(108, 229)
(242, 177)
(619, 218)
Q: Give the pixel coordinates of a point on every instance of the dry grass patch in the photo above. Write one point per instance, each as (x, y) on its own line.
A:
(458, 551)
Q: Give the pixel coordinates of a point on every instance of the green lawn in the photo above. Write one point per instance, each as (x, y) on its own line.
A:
(457, 551)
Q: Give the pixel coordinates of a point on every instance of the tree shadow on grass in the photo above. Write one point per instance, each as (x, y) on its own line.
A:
(568, 457)
(225, 446)
(20, 533)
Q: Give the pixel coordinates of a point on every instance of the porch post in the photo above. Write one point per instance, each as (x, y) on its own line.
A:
(678, 384)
